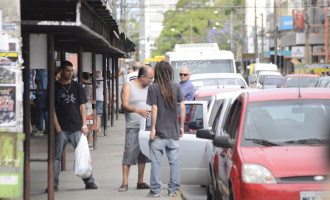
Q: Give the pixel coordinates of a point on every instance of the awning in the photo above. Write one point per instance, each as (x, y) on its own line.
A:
(76, 23)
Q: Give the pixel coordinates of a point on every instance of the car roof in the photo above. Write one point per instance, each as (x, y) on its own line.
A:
(302, 75)
(286, 94)
(214, 75)
(211, 92)
(269, 73)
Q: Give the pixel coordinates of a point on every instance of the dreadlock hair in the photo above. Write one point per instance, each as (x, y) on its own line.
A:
(164, 76)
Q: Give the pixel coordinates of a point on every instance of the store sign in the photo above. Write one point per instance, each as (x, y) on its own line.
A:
(286, 23)
(318, 49)
(298, 52)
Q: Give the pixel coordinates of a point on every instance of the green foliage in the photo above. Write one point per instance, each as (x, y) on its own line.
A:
(189, 23)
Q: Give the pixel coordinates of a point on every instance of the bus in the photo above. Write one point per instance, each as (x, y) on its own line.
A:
(152, 61)
(200, 58)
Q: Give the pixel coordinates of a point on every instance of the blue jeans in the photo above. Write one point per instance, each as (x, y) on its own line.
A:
(61, 139)
(42, 115)
(171, 148)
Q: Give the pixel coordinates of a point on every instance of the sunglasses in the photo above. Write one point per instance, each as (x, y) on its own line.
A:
(184, 74)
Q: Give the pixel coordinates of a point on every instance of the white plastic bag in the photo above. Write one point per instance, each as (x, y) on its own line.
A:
(83, 163)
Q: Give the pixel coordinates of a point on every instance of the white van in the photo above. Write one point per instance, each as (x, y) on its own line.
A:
(200, 58)
(255, 68)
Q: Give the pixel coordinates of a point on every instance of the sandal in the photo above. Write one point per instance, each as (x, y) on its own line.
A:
(123, 188)
(142, 186)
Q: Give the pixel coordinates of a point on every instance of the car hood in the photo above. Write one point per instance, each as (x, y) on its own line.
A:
(286, 161)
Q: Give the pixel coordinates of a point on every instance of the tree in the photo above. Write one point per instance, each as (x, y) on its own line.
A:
(194, 21)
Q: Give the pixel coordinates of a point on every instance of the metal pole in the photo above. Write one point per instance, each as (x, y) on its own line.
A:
(306, 9)
(117, 89)
(109, 86)
(231, 28)
(51, 110)
(262, 37)
(191, 40)
(105, 102)
(326, 37)
(275, 35)
(112, 88)
(27, 122)
(63, 159)
(94, 101)
(255, 32)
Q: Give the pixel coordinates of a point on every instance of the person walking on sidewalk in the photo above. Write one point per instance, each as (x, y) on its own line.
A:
(165, 132)
(134, 95)
(99, 100)
(69, 118)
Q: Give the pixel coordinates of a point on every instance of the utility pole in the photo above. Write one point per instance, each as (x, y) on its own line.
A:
(306, 24)
(262, 37)
(275, 34)
(231, 27)
(255, 31)
(191, 40)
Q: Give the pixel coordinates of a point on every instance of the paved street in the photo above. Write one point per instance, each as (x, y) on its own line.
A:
(106, 168)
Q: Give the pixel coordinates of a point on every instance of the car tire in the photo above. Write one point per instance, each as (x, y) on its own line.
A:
(208, 193)
(231, 194)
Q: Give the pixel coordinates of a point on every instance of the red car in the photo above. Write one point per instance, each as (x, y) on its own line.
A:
(300, 80)
(273, 145)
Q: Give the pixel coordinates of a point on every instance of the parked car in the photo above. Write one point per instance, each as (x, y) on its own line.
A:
(218, 80)
(300, 80)
(272, 145)
(272, 82)
(260, 78)
(323, 81)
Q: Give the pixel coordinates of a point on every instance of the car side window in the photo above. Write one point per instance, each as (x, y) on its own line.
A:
(231, 125)
(217, 118)
(214, 113)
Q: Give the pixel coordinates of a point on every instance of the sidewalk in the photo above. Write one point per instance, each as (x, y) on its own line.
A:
(107, 170)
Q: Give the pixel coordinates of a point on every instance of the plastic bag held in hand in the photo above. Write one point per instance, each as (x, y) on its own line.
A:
(83, 163)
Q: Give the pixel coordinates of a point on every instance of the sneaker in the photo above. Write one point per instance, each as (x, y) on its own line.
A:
(91, 186)
(153, 194)
(172, 195)
(55, 189)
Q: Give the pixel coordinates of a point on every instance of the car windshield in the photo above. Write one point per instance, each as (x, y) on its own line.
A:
(273, 81)
(323, 82)
(301, 82)
(287, 122)
(203, 66)
(262, 78)
(218, 82)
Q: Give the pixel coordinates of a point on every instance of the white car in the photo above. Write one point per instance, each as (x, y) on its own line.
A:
(218, 80)
(258, 83)
(193, 162)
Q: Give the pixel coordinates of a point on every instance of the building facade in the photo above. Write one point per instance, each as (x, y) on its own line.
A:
(151, 23)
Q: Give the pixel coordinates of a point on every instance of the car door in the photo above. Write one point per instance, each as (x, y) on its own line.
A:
(193, 161)
(225, 154)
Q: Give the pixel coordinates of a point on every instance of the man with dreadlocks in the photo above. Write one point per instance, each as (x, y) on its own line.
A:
(163, 97)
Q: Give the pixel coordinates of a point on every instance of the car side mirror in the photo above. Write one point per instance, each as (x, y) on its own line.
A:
(223, 141)
(205, 134)
(196, 125)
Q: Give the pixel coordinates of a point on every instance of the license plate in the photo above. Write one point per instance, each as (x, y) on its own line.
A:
(314, 195)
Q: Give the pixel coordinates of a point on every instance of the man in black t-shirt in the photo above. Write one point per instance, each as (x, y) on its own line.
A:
(69, 118)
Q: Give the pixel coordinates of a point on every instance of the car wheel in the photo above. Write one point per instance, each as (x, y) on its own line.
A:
(231, 194)
(208, 193)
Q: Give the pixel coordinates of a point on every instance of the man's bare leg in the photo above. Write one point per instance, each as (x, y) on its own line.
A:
(98, 125)
(126, 169)
(141, 167)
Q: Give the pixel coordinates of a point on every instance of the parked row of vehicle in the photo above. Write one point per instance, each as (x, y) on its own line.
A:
(255, 144)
